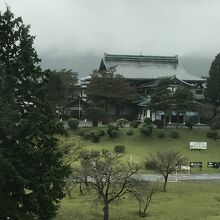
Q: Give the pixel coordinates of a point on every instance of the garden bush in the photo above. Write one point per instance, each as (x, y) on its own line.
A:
(130, 132)
(73, 123)
(174, 134)
(161, 134)
(122, 122)
(101, 132)
(146, 129)
(86, 136)
(212, 134)
(147, 121)
(135, 123)
(60, 128)
(112, 130)
(94, 136)
(119, 148)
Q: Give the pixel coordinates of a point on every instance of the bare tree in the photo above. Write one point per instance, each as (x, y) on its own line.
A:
(105, 175)
(143, 192)
(71, 149)
(165, 163)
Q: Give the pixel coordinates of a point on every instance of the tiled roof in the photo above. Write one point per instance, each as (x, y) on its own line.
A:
(148, 67)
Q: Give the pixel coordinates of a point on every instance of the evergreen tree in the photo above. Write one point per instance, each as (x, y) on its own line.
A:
(32, 172)
(161, 98)
(107, 86)
(61, 89)
(212, 92)
(183, 100)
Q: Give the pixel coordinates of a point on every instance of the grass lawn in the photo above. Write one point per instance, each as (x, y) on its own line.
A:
(140, 146)
(183, 201)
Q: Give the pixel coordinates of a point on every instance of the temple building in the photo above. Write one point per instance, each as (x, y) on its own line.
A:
(146, 72)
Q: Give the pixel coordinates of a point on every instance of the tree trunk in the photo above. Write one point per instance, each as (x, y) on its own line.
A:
(95, 123)
(139, 211)
(177, 120)
(164, 120)
(165, 183)
(106, 211)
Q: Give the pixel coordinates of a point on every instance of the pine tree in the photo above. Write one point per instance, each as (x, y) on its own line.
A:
(32, 172)
(212, 92)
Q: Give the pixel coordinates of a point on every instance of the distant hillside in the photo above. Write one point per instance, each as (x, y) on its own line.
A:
(196, 65)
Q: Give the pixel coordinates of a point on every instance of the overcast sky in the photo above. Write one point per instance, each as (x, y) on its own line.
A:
(66, 28)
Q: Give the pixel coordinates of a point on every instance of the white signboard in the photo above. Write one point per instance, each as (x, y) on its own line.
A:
(198, 145)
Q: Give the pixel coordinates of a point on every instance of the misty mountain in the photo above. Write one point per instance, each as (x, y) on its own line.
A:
(196, 65)
(84, 65)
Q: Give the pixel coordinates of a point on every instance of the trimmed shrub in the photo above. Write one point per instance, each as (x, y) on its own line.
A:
(158, 123)
(112, 130)
(174, 134)
(73, 123)
(94, 136)
(130, 132)
(101, 132)
(86, 136)
(147, 121)
(161, 134)
(119, 148)
(146, 129)
(113, 134)
(135, 123)
(122, 122)
(212, 134)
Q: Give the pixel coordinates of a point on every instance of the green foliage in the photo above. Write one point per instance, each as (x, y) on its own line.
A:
(122, 122)
(212, 134)
(73, 123)
(148, 121)
(112, 130)
(130, 132)
(161, 134)
(174, 134)
(61, 88)
(108, 86)
(60, 128)
(215, 123)
(119, 148)
(95, 136)
(101, 132)
(95, 114)
(182, 101)
(190, 123)
(107, 120)
(161, 99)
(146, 129)
(135, 123)
(212, 92)
(159, 124)
(32, 171)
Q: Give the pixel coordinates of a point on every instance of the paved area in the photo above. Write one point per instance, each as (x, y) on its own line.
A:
(180, 177)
